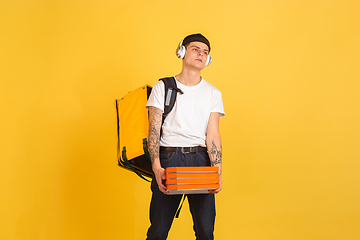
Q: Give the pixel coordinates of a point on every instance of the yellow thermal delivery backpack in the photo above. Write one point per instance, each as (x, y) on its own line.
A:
(132, 129)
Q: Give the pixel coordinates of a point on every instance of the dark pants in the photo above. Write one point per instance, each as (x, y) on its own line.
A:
(163, 207)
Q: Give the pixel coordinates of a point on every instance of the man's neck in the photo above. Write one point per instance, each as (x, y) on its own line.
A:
(189, 78)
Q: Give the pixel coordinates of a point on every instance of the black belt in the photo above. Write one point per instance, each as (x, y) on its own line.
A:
(196, 149)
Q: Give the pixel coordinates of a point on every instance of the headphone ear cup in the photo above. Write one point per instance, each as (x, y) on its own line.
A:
(180, 51)
(208, 60)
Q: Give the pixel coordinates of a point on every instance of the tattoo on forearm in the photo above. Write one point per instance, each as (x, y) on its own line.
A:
(215, 154)
(155, 120)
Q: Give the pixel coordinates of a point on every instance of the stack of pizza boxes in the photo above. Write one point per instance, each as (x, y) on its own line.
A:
(191, 180)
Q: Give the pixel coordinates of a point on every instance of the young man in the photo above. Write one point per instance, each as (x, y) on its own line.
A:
(190, 137)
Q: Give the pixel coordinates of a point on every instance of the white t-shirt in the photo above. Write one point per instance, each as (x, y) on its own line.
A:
(186, 124)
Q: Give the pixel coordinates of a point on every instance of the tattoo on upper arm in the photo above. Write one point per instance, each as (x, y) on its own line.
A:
(155, 121)
(215, 154)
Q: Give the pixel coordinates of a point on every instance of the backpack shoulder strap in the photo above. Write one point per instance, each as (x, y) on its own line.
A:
(170, 94)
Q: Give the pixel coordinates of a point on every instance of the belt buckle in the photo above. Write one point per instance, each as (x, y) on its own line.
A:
(183, 150)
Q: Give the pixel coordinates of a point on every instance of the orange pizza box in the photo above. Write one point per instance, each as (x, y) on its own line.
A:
(189, 191)
(191, 170)
(179, 181)
(191, 175)
(192, 186)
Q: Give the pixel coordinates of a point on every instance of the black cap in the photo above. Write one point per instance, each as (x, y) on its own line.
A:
(196, 38)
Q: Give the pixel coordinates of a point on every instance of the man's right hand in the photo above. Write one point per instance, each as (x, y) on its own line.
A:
(160, 177)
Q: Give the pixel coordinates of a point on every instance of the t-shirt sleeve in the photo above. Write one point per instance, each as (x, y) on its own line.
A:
(217, 103)
(156, 98)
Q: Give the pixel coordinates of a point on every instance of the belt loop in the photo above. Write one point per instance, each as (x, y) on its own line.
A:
(197, 149)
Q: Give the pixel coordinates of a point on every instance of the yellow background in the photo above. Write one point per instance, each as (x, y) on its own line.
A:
(289, 74)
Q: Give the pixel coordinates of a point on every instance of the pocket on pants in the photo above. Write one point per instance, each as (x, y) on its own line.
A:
(204, 159)
(166, 159)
